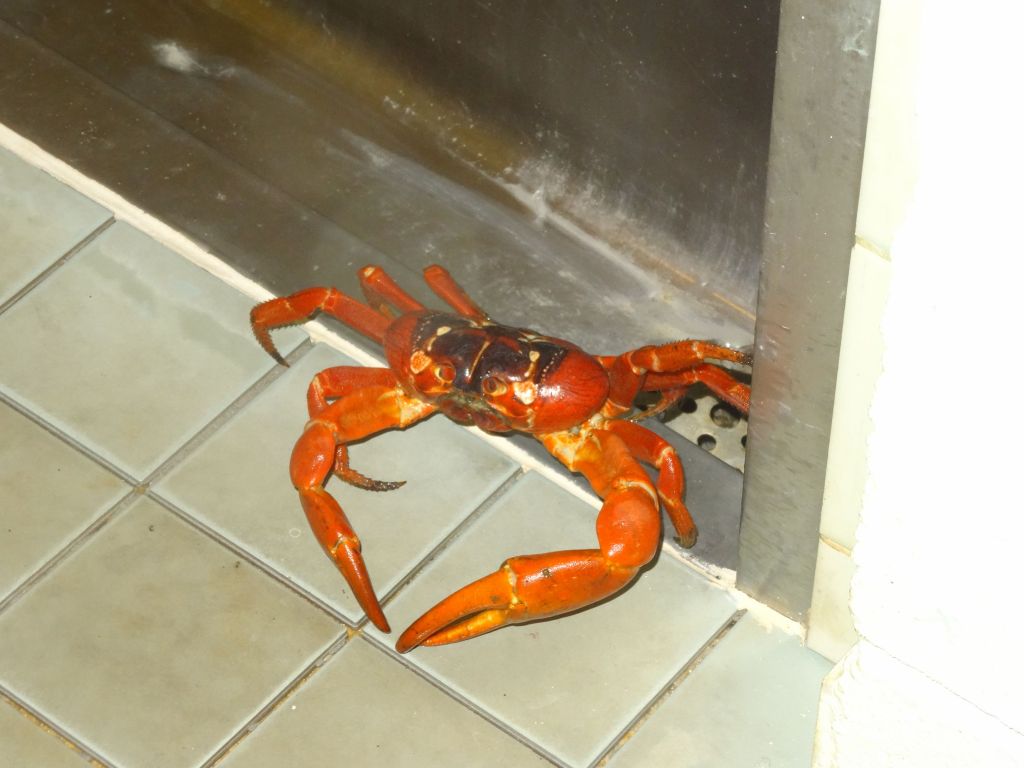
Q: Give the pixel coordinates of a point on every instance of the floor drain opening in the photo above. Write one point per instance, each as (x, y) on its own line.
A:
(707, 442)
(687, 405)
(724, 416)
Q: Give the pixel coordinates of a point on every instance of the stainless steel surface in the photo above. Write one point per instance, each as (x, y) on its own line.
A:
(164, 170)
(705, 421)
(647, 123)
(324, 158)
(821, 100)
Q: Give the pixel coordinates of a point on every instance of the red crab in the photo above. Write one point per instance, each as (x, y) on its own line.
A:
(501, 379)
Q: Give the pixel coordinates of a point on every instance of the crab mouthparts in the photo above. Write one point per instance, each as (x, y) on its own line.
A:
(470, 410)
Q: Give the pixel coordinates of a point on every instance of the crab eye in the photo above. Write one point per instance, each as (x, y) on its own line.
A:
(445, 373)
(492, 385)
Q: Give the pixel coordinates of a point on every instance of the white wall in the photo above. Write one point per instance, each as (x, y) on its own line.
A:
(936, 674)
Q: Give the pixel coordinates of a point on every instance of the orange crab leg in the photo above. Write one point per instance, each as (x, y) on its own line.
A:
(531, 587)
(301, 306)
(629, 371)
(340, 381)
(658, 453)
(364, 412)
(444, 285)
(718, 380)
(380, 290)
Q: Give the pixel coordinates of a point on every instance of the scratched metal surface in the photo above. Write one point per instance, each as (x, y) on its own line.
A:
(822, 87)
(348, 185)
(655, 112)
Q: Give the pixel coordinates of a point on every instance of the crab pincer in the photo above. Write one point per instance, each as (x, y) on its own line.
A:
(532, 587)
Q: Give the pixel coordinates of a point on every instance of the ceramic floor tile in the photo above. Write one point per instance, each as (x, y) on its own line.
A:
(152, 644)
(573, 683)
(40, 221)
(49, 493)
(365, 709)
(752, 701)
(25, 743)
(238, 483)
(130, 349)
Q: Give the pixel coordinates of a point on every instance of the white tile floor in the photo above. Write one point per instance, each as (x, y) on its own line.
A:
(161, 602)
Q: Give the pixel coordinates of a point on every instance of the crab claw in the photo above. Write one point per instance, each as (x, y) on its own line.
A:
(522, 589)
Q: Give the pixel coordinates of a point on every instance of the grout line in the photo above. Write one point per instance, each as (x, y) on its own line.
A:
(67, 439)
(229, 412)
(333, 649)
(464, 701)
(53, 729)
(239, 551)
(60, 262)
(286, 692)
(69, 549)
(456, 533)
(345, 622)
(661, 696)
(139, 488)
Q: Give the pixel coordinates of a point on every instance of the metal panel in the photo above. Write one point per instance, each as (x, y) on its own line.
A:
(818, 126)
(647, 123)
(169, 173)
(197, 78)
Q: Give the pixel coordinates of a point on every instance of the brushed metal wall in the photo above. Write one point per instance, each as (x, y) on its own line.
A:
(658, 112)
(822, 89)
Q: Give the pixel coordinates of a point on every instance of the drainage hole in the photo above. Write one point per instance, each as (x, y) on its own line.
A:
(688, 405)
(724, 416)
(743, 441)
(707, 442)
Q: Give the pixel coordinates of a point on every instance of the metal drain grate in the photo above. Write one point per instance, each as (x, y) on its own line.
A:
(717, 428)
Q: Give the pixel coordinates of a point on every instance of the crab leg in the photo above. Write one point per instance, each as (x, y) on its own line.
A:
(364, 412)
(718, 380)
(301, 306)
(444, 285)
(530, 587)
(380, 290)
(629, 371)
(340, 381)
(658, 453)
